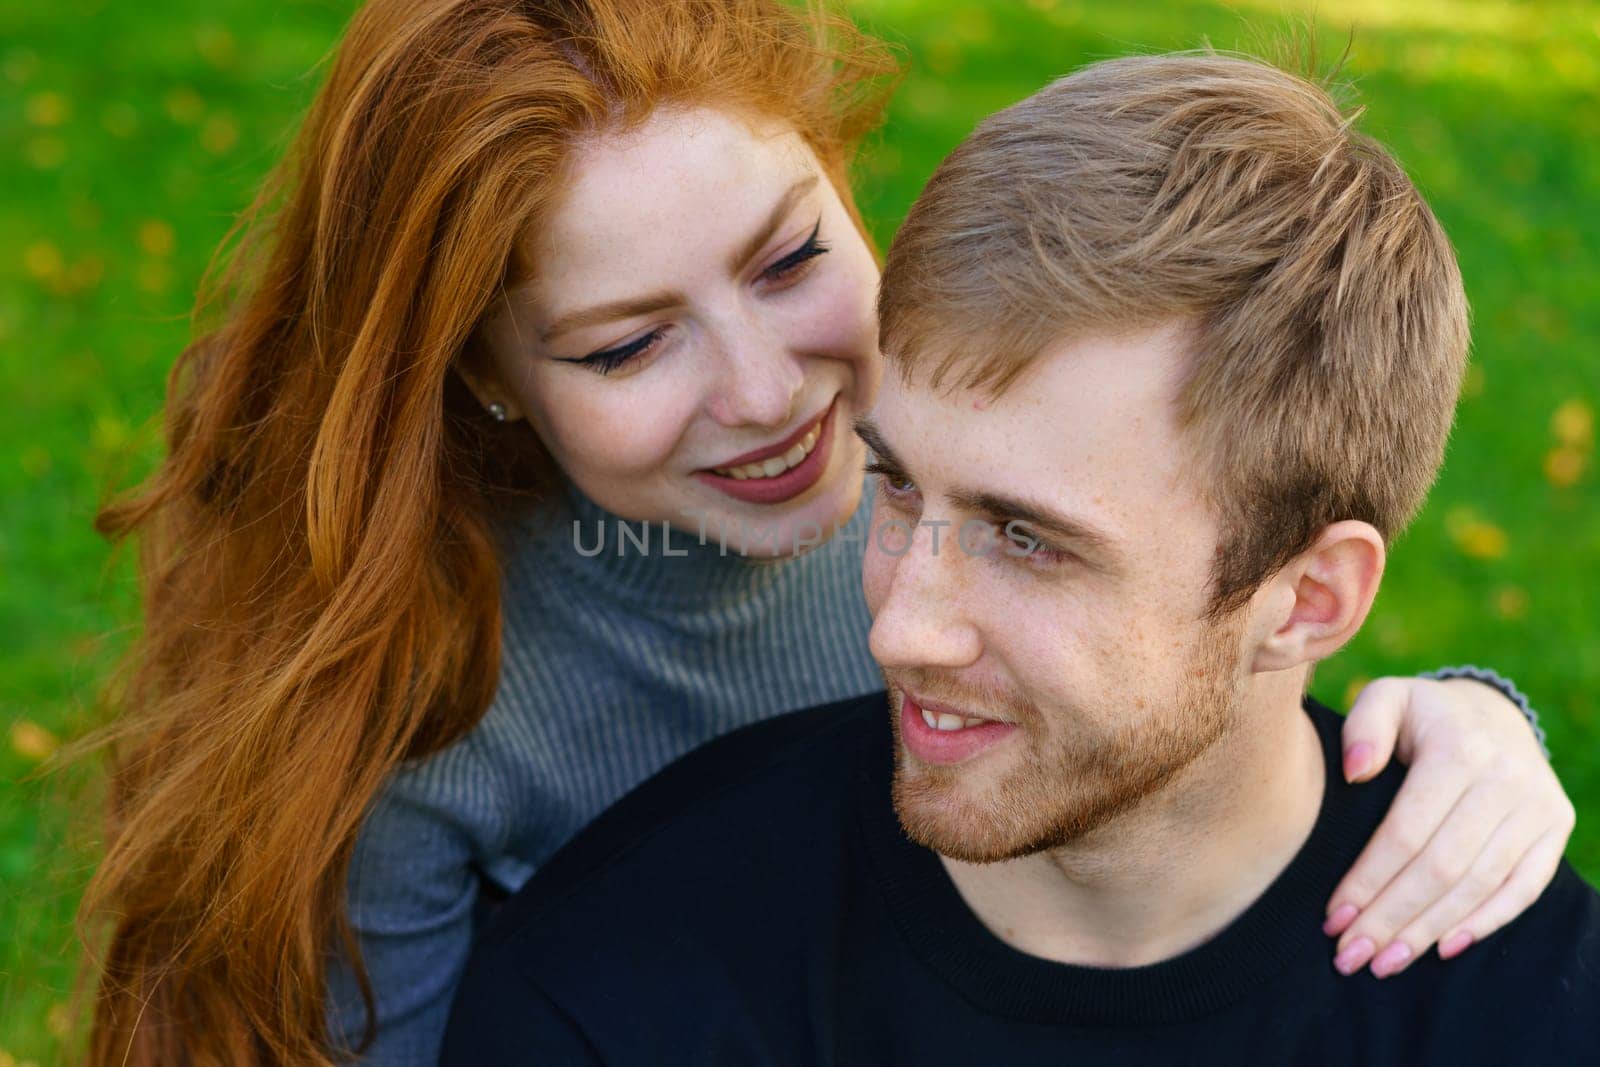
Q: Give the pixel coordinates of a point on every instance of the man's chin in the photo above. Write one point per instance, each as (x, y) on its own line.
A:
(1005, 819)
(942, 816)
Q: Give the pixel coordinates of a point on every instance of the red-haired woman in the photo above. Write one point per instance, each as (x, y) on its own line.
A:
(537, 278)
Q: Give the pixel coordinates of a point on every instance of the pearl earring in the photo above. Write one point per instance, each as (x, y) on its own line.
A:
(497, 411)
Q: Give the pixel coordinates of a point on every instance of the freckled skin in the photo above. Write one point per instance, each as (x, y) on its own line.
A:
(1101, 661)
(739, 363)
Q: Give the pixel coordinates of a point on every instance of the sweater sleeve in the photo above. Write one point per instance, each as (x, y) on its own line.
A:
(411, 894)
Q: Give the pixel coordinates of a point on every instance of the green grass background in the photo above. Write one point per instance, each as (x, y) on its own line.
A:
(130, 134)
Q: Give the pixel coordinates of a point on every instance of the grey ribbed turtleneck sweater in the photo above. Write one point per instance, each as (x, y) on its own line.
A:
(612, 666)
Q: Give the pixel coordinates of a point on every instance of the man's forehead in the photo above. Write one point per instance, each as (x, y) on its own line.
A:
(1090, 418)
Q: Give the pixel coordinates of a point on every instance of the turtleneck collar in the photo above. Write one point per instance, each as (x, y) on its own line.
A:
(656, 563)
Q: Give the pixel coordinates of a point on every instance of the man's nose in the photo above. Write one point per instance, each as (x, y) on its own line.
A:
(923, 620)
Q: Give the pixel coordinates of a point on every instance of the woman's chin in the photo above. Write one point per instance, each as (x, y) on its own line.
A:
(777, 533)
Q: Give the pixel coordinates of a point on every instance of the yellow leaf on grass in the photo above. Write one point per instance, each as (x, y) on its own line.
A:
(219, 134)
(1564, 466)
(43, 260)
(48, 109)
(1573, 424)
(1511, 602)
(215, 45)
(32, 741)
(1476, 537)
(1485, 541)
(184, 105)
(157, 237)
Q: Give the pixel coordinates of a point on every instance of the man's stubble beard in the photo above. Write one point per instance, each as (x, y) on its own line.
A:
(1075, 785)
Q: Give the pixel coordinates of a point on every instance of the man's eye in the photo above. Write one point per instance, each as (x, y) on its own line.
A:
(893, 482)
(1024, 545)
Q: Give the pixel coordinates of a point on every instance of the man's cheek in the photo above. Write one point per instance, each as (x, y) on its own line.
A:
(877, 571)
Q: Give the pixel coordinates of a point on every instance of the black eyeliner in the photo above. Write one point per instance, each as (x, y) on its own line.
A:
(609, 359)
(810, 249)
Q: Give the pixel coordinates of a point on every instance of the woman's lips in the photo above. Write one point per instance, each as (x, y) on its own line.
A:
(772, 451)
(790, 480)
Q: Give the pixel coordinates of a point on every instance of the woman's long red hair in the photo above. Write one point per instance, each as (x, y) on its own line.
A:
(317, 558)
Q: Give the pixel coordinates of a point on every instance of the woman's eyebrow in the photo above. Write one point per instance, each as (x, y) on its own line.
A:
(643, 305)
(780, 211)
(616, 309)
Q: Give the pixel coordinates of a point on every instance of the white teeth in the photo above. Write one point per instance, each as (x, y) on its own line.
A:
(945, 722)
(775, 466)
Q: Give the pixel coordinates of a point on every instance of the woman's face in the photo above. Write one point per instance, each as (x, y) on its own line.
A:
(699, 332)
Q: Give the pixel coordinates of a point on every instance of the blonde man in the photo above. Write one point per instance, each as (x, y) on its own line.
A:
(1173, 357)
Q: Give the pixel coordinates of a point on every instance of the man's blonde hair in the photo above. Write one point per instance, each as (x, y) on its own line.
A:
(1329, 326)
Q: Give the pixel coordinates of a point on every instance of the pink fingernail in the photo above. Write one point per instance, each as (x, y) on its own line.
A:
(1455, 944)
(1391, 959)
(1340, 920)
(1356, 758)
(1354, 957)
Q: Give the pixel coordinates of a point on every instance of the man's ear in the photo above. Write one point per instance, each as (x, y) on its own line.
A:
(476, 367)
(1327, 591)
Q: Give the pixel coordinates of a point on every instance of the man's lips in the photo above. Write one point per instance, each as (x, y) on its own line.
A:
(952, 736)
(937, 708)
(768, 451)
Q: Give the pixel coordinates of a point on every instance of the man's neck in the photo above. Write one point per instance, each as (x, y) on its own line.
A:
(1178, 868)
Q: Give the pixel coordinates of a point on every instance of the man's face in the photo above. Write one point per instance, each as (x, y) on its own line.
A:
(1066, 684)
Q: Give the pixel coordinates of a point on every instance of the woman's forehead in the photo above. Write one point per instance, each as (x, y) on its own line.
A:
(680, 194)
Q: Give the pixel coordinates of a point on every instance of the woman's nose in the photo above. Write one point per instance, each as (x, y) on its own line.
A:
(760, 382)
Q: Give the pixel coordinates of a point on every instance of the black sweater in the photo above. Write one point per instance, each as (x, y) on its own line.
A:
(757, 903)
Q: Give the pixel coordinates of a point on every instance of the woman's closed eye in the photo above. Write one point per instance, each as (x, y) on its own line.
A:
(785, 271)
(793, 265)
(607, 360)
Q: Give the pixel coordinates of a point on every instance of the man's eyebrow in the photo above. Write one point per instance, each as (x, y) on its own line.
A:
(1040, 518)
(644, 305)
(780, 211)
(869, 433)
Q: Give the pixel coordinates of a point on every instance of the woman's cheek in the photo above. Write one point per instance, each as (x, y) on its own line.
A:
(839, 320)
(619, 432)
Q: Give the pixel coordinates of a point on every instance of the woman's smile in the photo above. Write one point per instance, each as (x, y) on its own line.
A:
(781, 471)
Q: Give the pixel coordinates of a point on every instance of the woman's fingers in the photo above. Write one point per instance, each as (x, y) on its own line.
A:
(1425, 799)
(1423, 880)
(1526, 884)
(1446, 922)
(1475, 833)
(1372, 728)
